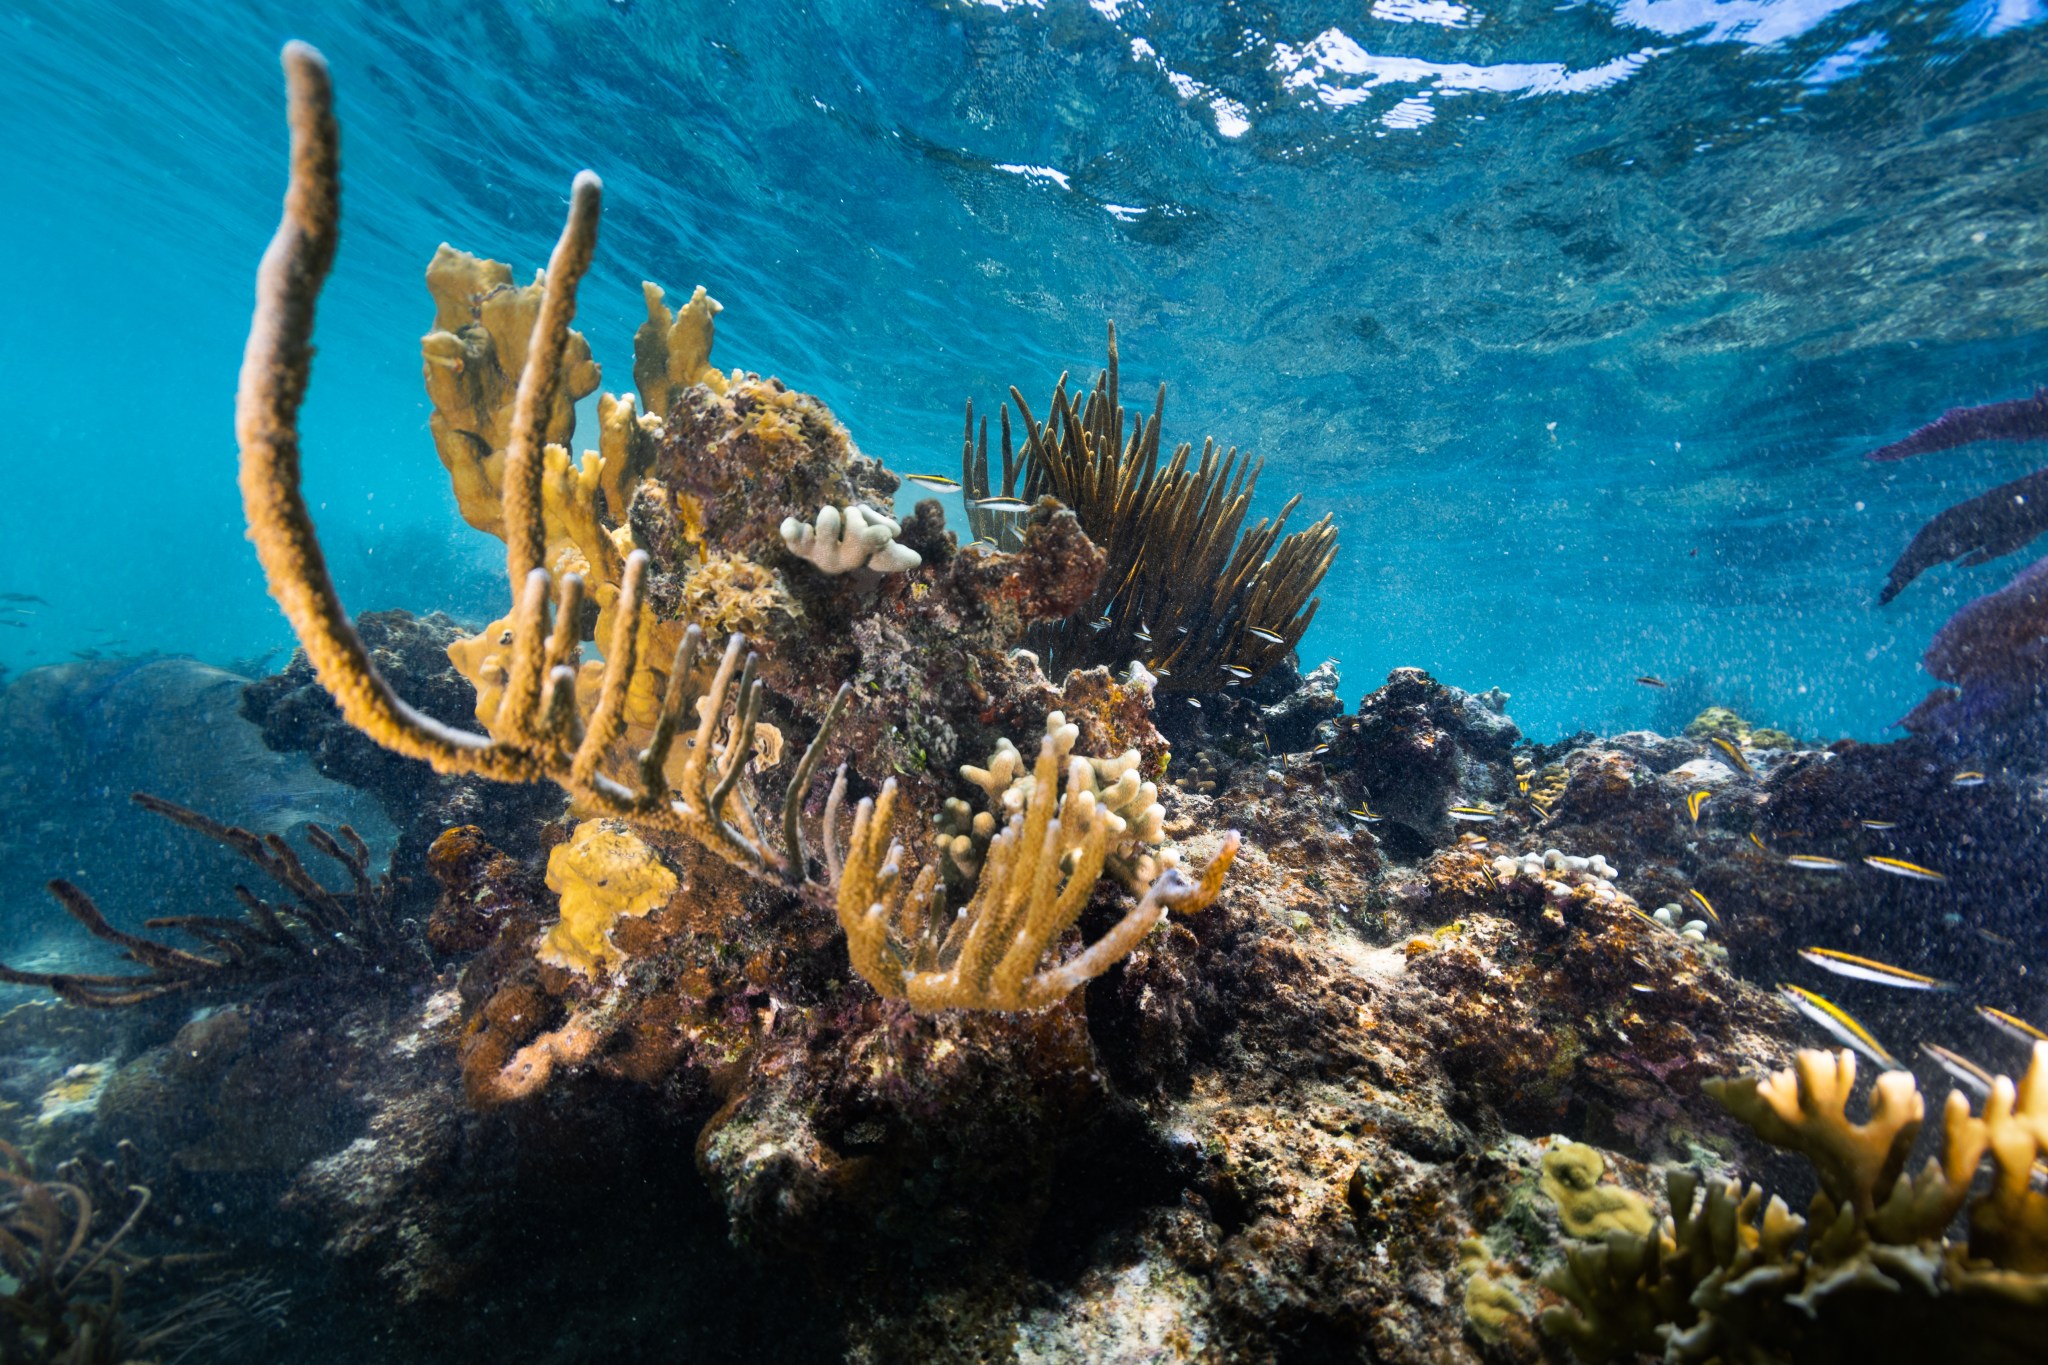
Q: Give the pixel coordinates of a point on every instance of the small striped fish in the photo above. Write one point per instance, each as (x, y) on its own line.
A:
(1868, 969)
(1839, 1023)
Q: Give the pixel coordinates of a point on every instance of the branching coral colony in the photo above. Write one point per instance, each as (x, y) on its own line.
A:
(1183, 592)
(656, 739)
(1725, 1276)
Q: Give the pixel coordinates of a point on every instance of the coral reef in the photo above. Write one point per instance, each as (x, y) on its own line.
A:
(691, 1074)
(1868, 1273)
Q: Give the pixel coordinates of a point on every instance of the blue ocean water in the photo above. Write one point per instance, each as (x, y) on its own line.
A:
(1579, 317)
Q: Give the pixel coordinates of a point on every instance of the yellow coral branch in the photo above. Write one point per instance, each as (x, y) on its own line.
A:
(534, 718)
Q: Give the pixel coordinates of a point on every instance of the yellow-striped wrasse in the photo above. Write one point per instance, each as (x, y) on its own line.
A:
(1271, 637)
(1237, 671)
(937, 483)
(1734, 754)
(1899, 867)
(1652, 921)
(1964, 1070)
(1868, 969)
(1814, 862)
(1839, 1023)
(1478, 815)
(1703, 903)
(1695, 802)
(2011, 1025)
(1969, 779)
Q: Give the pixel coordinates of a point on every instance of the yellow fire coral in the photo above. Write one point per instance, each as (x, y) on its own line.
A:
(1869, 1272)
(472, 359)
(604, 874)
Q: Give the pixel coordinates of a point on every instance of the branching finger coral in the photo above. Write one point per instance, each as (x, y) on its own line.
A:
(1037, 876)
(545, 721)
(1869, 1272)
(320, 932)
(1184, 592)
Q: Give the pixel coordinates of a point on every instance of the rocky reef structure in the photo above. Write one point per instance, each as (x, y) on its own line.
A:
(1199, 603)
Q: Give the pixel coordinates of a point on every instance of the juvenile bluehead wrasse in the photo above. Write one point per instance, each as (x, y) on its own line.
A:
(1475, 814)
(1651, 920)
(1196, 704)
(1365, 816)
(1694, 802)
(1181, 630)
(1158, 671)
(1099, 623)
(1899, 867)
(983, 541)
(1652, 680)
(1645, 989)
(938, 483)
(2000, 939)
(2012, 1026)
(1472, 843)
(1734, 754)
(1838, 1022)
(1271, 637)
(1320, 750)
(1233, 682)
(1962, 1068)
(1972, 779)
(1865, 969)
(1878, 824)
(1002, 504)
(1237, 671)
(1758, 842)
(1705, 905)
(1143, 634)
(1813, 862)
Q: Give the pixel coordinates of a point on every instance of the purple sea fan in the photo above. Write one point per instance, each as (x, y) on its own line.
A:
(2018, 419)
(1995, 651)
